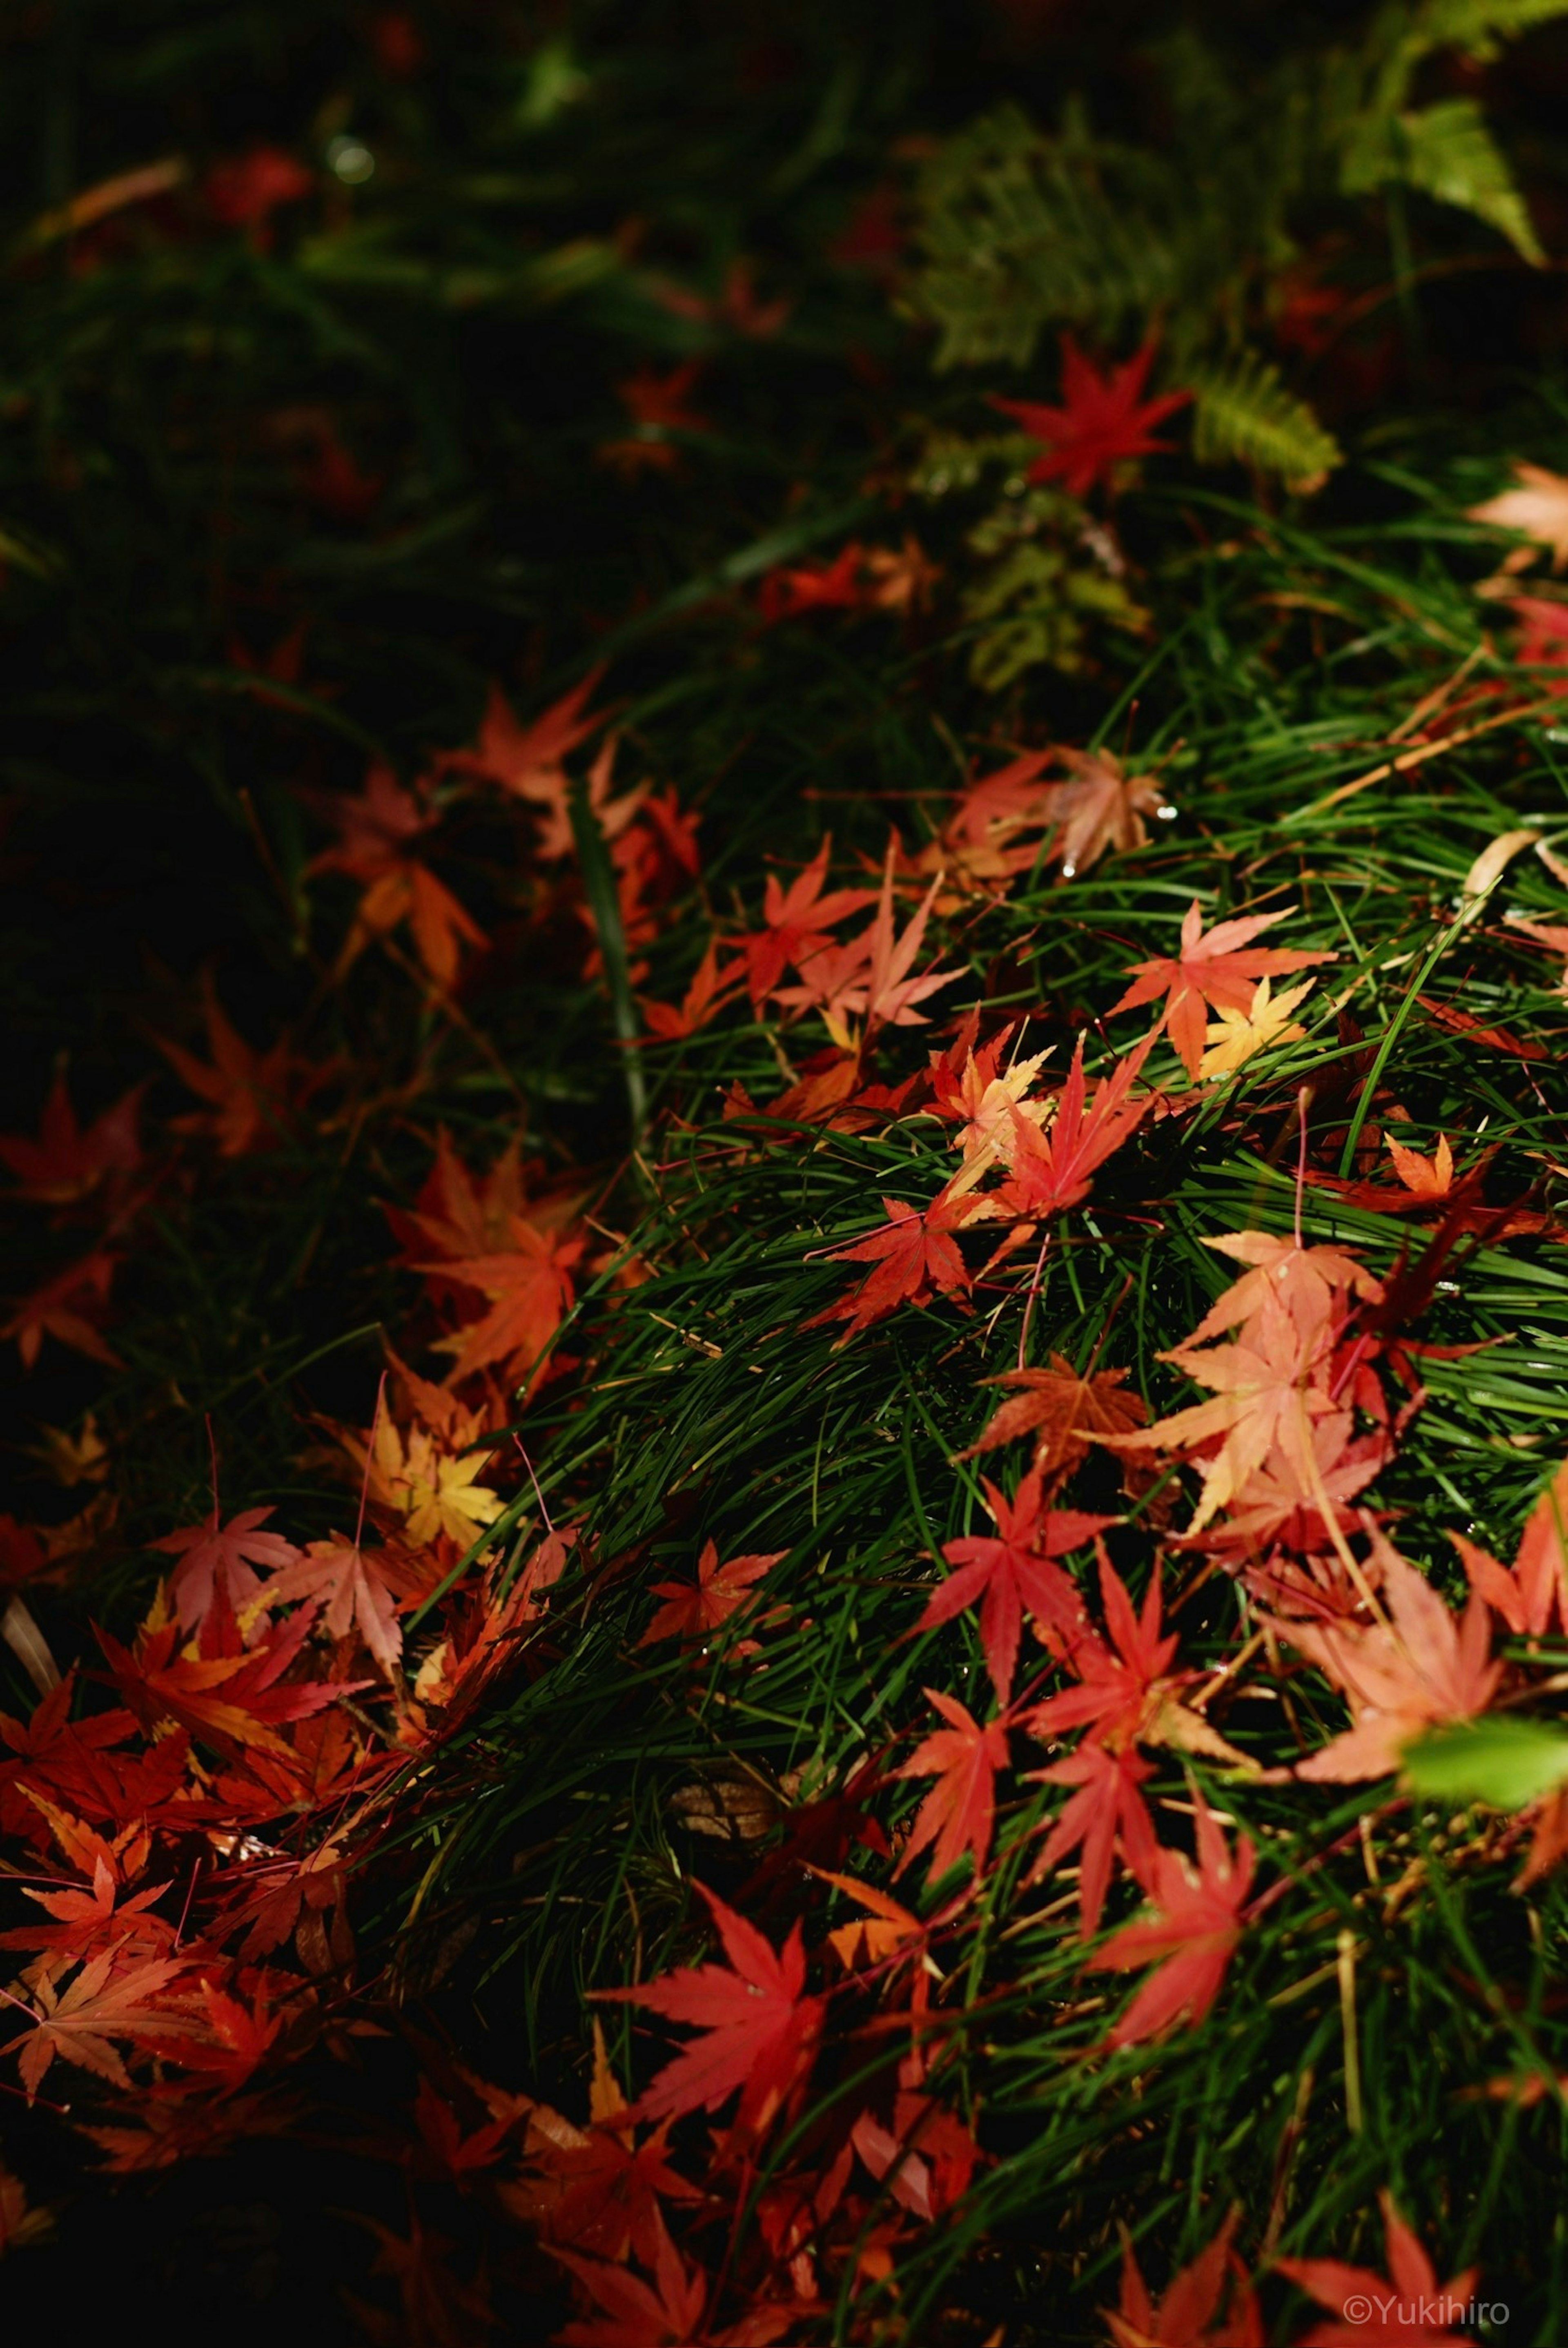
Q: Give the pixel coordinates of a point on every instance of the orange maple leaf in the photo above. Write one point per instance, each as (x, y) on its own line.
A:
(531, 1292)
(1419, 1670)
(106, 1999)
(1064, 1413)
(1535, 1587)
(252, 1093)
(1265, 1401)
(352, 1583)
(1219, 969)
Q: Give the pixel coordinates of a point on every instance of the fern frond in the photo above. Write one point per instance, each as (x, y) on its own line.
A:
(1243, 414)
(1021, 231)
(1444, 151)
(1477, 29)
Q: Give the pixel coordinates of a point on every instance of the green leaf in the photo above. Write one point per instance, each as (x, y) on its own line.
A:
(1444, 151)
(1507, 1761)
(1243, 414)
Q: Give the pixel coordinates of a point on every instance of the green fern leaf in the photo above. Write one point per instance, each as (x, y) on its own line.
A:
(1446, 151)
(1480, 27)
(1243, 414)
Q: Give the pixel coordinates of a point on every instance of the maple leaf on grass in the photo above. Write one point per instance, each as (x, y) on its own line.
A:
(1307, 1283)
(351, 1582)
(1106, 1807)
(916, 1258)
(1188, 2314)
(1237, 1037)
(67, 1162)
(957, 1814)
(693, 1609)
(710, 990)
(1192, 1936)
(1215, 970)
(1051, 1168)
(68, 1308)
(1264, 1402)
(868, 976)
(1399, 2305)
(530, 1290)
(1099, 806)
(215, 1560)
(1528, 1593)
(1064, 1413)
(1418, 1669)
(798, 923)
(758, 2030)
(1012, 1572)
(1103, 423)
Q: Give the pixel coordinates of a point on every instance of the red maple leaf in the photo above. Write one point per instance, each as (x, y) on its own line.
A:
(1103, 420)
(958, 1812)
(1219, 969)
(1011, 1573)
(68, 1308)
(916, 1258)
(1051, 1168)
(814, 586)
(228, 1700)
(1190, 1938)
(244, 191)
(638, 2314)
(215, 1562)
(596, 2188)
(694, 1609)
(68, 1160)
(797, 921)
(1410, 2294)
(1188, 2314)
(1106, 1807)
(1119, 1684)
(758, 2030)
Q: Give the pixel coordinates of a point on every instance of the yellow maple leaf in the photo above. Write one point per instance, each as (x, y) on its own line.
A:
(1235, 1035)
